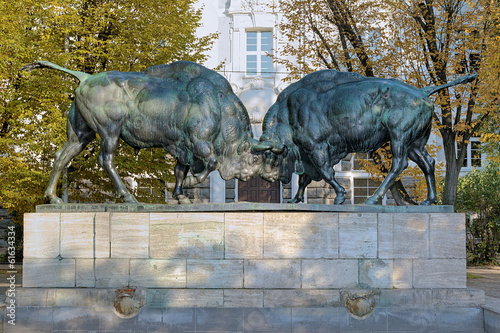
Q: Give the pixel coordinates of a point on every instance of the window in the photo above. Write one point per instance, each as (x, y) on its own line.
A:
(363, 189)
(259, 44)
(473, 156)
(356, 161)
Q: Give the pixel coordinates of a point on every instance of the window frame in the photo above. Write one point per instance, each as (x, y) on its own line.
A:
(259, 53)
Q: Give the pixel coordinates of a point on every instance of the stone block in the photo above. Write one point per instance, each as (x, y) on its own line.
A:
(74, 319)
(85, 275)
(184, 298)
(157, 273)
(112, 273)
(439, 273)
(402, 273)
(102, 237)
(244, 235)
(491, 321)
(268, 320)
(219, 320)
(319, 274)
(406, 298)
(456, 320)
(187, 235)
(215, 273)
(48, 273)
(403, 236)
(176, 320)
(43, 297)
(458, 297)
(305, 320)
(378, 273)
(357, 235)
(129, 235)
(301, 298)
(241, 298)
(41, 235)
(77, 235)
(272, 274)
(290, 235)
(447, 236)
(411, 319)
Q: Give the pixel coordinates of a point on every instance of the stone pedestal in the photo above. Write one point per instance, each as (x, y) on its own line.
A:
(283, 267)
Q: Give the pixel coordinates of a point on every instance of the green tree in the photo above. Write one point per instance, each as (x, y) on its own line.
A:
(90, 36)
(479, 197)
(422, 42)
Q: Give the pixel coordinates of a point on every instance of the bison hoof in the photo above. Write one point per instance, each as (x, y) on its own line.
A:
(296, 200)
(428, 202)
(129, 198)
(56, 200)
(339, 200)
(183, 200)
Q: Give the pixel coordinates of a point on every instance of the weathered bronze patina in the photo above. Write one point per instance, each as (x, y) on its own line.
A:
(328, 114)
(185, 108)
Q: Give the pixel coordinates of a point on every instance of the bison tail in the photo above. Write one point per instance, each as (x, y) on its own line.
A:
(463, 79)
(45, 64)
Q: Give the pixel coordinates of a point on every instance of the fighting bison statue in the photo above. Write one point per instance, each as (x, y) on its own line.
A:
(183, 107)
(318, 120)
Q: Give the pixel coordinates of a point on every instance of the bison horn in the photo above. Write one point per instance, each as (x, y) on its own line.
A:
(262, 147)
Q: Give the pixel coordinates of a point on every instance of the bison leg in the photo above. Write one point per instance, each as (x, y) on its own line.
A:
(324, 164)
(200, 177)
(79, 135)
(180, 172)
(399, 163)
(304, 180)
(106, 159)
(425, 162)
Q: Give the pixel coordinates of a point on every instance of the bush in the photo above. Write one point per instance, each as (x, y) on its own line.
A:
(478, 195)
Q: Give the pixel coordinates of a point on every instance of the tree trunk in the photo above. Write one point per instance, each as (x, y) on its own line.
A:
(452, 171)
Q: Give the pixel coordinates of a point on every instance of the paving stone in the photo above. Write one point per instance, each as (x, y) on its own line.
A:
(244, 235)
(357, 236)
(41, 235)
(341, 273)
(214, 273)
(187, 235)
(272, 274)
(289, 235)
(157, 273)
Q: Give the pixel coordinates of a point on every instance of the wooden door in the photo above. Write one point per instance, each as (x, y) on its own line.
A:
(259, 190)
